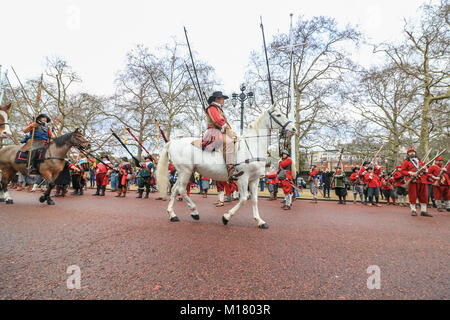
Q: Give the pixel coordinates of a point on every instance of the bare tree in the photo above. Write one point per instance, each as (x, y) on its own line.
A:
(386, 98)
(320, 67)
(424, 55)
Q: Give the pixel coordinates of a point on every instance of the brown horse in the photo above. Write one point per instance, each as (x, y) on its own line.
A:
(5, 129)
(49, 168)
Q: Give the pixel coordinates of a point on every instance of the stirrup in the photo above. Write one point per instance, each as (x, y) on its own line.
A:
(235, 175)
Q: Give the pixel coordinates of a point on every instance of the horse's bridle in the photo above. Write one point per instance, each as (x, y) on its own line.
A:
(283, 127)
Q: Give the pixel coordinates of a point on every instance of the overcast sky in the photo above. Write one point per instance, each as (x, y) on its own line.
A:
(94, 36)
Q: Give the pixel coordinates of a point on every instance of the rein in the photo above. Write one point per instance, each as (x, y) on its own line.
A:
(283, 127)
(283, 130)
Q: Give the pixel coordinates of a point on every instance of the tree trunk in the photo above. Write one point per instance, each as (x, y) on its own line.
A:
(424, 130)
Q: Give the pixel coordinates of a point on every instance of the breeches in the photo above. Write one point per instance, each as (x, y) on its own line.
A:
(389, 193)
(143, 183)
(101, 180)
(340, 191)
(418, 190)
(273, 188)
(401, 191)
(286, 186)
(373, 192)
(313, 188)
(442, 193)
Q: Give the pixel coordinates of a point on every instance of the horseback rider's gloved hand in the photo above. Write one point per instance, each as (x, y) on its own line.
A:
(231, 133)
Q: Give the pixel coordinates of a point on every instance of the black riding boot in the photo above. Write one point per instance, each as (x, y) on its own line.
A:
(147, 192)
(98, 192)
(140, 194)
(103, 189)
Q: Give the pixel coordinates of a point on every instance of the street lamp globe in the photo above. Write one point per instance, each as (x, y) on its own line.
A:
(250, 98)
(234, 99)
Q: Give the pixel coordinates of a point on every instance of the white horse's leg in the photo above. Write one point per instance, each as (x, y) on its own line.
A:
(173, 193)
(254, 194)
(182, 191)
(243, 194)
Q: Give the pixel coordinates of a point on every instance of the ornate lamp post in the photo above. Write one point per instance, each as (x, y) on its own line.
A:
(242, 97)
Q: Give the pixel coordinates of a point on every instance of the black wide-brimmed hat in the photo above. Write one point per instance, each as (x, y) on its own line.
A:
(124, 158)
(44, 115)
(215, 95)
(147, 157)
(105, 156)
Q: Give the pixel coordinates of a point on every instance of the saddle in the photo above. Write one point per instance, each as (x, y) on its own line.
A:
(202, 144)
(37, 156)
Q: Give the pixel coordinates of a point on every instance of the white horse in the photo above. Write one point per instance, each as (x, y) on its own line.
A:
(250, 158)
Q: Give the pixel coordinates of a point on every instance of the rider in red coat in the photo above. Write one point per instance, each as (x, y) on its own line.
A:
(285, 166)
(219, 135)
(418, 188)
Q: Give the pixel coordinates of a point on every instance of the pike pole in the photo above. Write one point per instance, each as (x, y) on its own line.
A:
(134, 137)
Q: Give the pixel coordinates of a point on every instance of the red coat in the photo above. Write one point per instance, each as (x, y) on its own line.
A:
(398, 178)
(372, 182)
(273, 177)
(407, 167)
(361, 173)
(101, 169)
(387, 185)
(435, 170)
(314, 174)
(377, 170)
(286, 164)
(353, 177)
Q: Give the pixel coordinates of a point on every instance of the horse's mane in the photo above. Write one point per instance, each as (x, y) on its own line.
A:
(60, 141)
(257, 122)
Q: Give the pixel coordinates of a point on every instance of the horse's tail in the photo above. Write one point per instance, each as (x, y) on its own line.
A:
(162, 171)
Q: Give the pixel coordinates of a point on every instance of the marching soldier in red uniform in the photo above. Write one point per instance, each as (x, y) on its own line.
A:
(272, 184)
(101, 176)
(285, 176)
(440, 183)
(399, 181)
(388, 189)
(219, 135)
(125, 172)
(418, 188)
(362, 172)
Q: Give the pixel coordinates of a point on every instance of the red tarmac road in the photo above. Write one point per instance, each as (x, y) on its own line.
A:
(127, 249)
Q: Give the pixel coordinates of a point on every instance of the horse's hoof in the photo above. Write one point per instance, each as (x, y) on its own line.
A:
(2, 199)
(174, 219)
(50, 202)
(264, 226)
(225, 221)
(9, 201)
(42, 199)
(195, 216)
